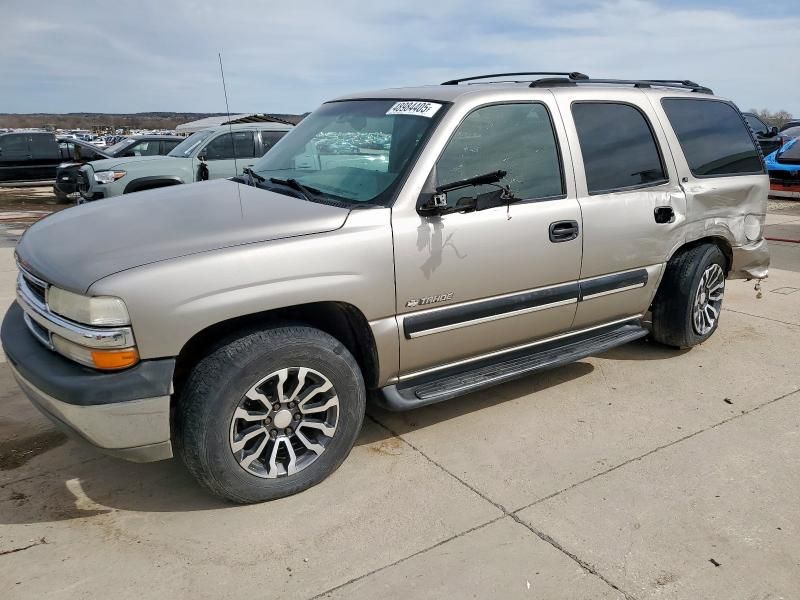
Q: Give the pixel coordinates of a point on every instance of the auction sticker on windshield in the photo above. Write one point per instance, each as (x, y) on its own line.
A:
(414, 108)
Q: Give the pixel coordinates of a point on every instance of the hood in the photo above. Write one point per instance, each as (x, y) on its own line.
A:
(75, 247)
(120, 161)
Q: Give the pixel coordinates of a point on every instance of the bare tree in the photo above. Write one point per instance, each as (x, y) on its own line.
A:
(774, 119)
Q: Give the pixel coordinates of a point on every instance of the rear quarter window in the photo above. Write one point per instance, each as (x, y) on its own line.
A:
(713, 136)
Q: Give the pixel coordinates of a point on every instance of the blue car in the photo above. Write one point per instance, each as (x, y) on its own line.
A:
(783, 167)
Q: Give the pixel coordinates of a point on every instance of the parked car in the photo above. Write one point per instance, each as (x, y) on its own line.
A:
(768, 137)
(82, 152)
(241, 322)
(789, 124)
(28, 155)
(207, 154)
(144, 145)
(99, 142)
(76, 153)
(783, 167)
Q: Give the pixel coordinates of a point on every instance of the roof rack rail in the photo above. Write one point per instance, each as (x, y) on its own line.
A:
(684, 84)
(573, 75)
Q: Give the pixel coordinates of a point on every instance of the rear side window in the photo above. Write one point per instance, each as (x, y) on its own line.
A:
(713, 137)
(618, 147)
(757, 125)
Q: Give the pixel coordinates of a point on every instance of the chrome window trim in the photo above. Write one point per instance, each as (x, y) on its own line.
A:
(90, 337)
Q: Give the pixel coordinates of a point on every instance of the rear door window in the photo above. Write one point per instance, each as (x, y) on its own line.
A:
(13, 145)
(270, 138)
(713, 137)
(618, 147)
(44, 146)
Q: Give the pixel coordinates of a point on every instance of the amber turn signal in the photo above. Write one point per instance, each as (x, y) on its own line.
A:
(115, 359)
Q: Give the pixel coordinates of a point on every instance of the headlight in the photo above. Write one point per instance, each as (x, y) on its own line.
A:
(108, 360)
(108, 176)
(97, 310)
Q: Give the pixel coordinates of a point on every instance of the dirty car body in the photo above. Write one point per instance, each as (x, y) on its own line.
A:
(357, 242)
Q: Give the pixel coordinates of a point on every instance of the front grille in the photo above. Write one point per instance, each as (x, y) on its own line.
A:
(83, 181)
(37, 287)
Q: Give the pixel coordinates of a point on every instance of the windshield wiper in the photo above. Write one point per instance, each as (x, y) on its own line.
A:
(253, 177)
(308, 193)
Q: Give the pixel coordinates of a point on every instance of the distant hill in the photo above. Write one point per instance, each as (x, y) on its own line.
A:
(145, 120)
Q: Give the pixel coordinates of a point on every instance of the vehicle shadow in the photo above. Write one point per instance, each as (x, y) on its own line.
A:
(643, 349)
(90, 484)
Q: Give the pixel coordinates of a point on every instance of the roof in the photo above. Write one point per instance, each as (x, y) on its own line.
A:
(450, 91)
(209, 122)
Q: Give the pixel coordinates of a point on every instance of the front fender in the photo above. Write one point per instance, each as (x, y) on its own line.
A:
(172, 300)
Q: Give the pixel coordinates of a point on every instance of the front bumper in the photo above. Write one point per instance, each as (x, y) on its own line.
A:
(750, 261)
(123, 413)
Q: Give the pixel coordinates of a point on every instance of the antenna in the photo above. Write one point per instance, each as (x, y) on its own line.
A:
(228, 111)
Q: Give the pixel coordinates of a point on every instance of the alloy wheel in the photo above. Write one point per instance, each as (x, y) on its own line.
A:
(284, 422)
(708, 299)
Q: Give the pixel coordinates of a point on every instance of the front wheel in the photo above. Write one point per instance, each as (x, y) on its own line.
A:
(270, 414)
(688, 304)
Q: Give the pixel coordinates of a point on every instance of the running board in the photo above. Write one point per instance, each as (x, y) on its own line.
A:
(450, 383)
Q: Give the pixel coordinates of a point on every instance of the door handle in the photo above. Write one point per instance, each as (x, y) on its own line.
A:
(563, 231)
(664, 214)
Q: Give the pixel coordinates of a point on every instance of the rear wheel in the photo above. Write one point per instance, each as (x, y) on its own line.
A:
(688, 304)
(270, 414)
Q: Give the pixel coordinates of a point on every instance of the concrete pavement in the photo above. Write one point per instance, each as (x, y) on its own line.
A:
(642, 473)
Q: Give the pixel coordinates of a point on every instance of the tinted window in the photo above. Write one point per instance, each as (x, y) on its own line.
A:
(169, 145)
(516, 138)
(222, 147)
(143, 148)
(713, 137)
(756, 124)
(15, 144)
(270, 138)
(618, 147)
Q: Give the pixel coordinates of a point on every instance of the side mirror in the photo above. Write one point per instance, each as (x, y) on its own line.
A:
(773, 131)
(202, 156)
(430, 201)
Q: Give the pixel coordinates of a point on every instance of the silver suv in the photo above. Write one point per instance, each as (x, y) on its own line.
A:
(414, 244)
(213, 153)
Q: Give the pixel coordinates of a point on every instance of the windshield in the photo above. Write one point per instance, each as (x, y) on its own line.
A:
(190, 144)
(355, 151)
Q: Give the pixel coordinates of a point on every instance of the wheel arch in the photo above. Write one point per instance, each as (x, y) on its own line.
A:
(717, 240)
(341, 320)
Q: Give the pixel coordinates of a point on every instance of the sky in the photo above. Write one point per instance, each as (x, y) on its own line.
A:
(138, 56)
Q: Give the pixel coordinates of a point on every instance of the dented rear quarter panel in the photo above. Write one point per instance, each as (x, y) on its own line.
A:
(718, 206)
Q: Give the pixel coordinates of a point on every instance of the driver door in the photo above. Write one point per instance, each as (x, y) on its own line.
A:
(473, 283)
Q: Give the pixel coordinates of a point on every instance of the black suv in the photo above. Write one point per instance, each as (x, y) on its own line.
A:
(768, 137)
(81, 152)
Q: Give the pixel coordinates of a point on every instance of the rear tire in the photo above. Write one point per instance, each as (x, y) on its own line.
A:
(270, 414)
(688, 304)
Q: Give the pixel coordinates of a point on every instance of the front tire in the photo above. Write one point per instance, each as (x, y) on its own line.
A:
(688, 305)
(270, 414)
